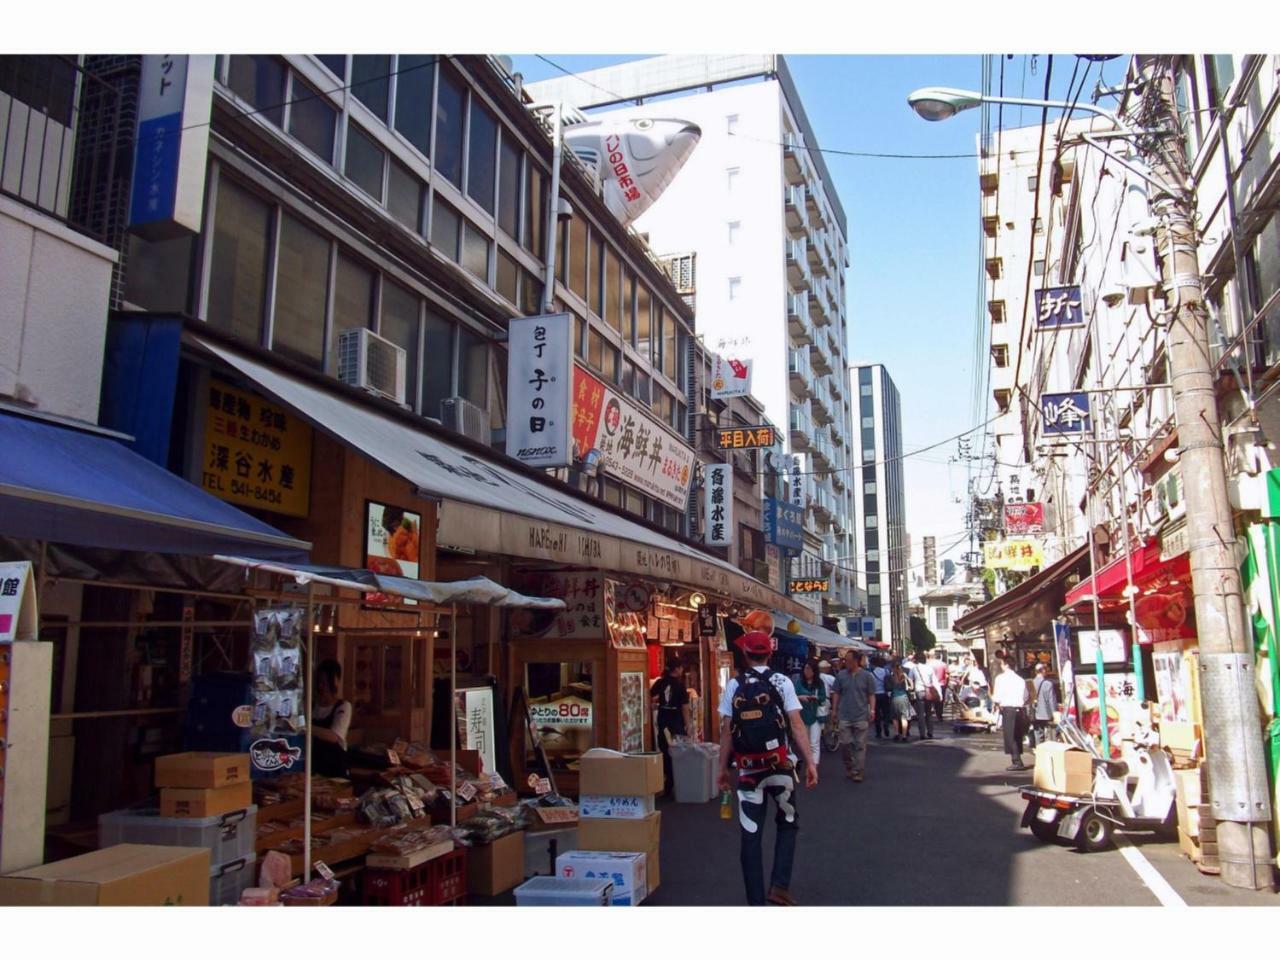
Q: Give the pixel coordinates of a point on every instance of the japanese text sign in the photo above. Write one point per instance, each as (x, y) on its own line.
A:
(717, 521)
(539, 384)
(1059, 307)
(17, 603)
(255, 453)
(810, 585)
(730, 378)
(1066, 413)
(1023, 518)
(583, 616)
(1019, 555)
(636, 450)
(745, 438)
(783, 524)
(797, 481)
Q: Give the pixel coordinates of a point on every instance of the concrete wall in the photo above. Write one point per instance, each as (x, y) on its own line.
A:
(55, 287)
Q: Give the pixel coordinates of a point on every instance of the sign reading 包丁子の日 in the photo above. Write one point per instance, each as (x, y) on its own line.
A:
(254, 453)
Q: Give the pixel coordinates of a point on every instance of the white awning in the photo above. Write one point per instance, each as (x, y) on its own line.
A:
(819, 635)
(491, 508)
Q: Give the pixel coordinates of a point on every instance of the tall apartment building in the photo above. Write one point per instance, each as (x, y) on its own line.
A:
(761, 212)
(880, 513)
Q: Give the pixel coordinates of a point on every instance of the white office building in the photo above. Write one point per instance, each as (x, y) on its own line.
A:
(761, 213)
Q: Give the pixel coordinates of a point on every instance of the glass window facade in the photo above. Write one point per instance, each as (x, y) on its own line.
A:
(238, 272)
(371, 81)
(415, 91)
(482, 156)
(302, 285)
(450, 104)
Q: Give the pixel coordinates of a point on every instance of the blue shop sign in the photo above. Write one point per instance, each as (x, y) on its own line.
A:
(1066, 413)
(783, 524)
(1059, 307)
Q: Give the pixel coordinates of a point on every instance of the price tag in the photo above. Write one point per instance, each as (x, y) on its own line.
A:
(393, 758)
(467, 791)
(322, 868)
(542, 786)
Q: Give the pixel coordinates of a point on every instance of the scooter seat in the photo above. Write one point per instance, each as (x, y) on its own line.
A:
(1116, 769)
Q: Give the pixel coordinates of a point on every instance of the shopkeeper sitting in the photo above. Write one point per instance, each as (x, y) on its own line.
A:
(330, 720)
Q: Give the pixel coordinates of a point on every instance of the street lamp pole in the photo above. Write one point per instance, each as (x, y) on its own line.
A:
(1237, 770)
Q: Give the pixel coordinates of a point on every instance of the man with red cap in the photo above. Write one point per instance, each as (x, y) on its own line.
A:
(761, 731)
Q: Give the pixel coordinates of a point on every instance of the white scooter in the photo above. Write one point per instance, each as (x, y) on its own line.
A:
(1137, 794)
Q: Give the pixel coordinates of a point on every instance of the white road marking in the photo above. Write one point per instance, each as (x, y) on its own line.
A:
(1148, 874)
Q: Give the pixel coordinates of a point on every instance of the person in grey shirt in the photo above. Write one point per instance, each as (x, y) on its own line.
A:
(853, 700)
(1046, 705)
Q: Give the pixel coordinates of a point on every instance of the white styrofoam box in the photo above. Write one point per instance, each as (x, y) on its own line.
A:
(626, 871)
(616, 808)
(555, 892)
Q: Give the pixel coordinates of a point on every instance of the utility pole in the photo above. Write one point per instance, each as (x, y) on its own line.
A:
(1232, 727)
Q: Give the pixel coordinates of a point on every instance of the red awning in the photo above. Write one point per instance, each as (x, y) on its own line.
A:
(1148, 569)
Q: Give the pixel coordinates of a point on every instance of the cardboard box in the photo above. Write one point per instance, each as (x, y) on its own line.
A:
(1180, 737)
(652, 869)
(494, 868)
(1186, 785)
(1188, 845)
(126, 875)
(626, 870)
(611, 774)
(202, 771)
(1063, 768)
(618, 808)
(634, 836)
(183, 802)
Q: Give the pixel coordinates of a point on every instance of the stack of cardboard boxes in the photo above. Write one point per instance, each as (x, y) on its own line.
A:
(616, 817)
(203, 784)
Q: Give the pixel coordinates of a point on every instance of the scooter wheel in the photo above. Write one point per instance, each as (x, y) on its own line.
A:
(1044, 832)
(1094, 834)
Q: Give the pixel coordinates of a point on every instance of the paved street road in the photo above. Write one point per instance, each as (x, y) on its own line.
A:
(934, 823)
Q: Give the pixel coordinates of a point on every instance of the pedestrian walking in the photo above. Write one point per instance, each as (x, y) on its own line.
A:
(977, 681)
(1046, 705)
(925, 684)
(880, 673)
(853, 700)
(812, 694)
(1011, 698)
(759, 716)
(669, 695)
(900, 701)
(940, 675)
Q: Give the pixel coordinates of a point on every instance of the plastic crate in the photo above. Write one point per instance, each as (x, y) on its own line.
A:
(435, 883)
(228, 880)
(564, 892)
(227, 837)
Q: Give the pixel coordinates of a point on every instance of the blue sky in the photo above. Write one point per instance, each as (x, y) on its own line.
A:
(913, 279)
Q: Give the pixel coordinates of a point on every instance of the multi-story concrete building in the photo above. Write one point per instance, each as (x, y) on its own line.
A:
(941, 607)
(880, 511)
(761, 211)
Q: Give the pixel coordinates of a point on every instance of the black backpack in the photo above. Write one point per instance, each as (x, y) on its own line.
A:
(759, 723)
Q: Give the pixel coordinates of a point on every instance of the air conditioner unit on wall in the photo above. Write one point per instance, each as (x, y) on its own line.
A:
(462, 416)
(368, 361)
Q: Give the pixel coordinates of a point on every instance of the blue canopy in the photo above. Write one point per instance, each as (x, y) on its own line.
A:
(77, 485)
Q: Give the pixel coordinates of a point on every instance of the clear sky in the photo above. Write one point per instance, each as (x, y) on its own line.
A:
(913, 280)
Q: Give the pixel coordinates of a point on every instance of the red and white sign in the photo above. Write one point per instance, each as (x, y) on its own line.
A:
(1023, 518)
(730, 378)
(636, 450)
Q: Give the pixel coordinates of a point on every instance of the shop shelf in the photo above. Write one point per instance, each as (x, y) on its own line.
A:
(435, 883)
(228, 880)
(228, 837)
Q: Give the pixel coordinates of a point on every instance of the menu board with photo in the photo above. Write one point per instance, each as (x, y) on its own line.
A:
(631, 707)
(1172, 689)
(392, 545)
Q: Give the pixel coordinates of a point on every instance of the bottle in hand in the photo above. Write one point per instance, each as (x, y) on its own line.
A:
(726, 807)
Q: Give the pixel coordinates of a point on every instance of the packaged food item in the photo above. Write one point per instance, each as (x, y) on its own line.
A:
(287, 668)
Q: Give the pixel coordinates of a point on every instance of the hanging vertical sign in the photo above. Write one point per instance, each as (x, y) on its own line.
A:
(175, 103)
(540, 390)
(730, 378)
(1059, 307)
(17, 602)
(1066, 413)
(718, 515)
(797, 482)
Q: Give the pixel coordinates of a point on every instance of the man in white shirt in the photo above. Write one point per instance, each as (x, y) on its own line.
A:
(1011, 697)
(767, 769)
(926, 687)
(977, 681)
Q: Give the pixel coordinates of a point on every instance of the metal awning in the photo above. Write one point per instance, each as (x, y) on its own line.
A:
(816, 634)
(1023, 595)
(75, 484)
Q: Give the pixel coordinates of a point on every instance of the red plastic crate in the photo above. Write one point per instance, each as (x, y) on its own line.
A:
(436, 883)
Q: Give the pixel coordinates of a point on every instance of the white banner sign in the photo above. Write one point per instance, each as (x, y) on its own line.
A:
(17, 602)
(477, 724)
(565, 712)
(730, 378)
(717, 521)
(539, 390)
(797, 480)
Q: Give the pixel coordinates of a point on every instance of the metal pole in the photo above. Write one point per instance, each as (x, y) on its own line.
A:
(310, 681)
(1234, 754)
(557, 155)
(453, 714)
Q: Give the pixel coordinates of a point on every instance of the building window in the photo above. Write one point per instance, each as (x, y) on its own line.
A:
(872, 521)
(595, 350)
(864, 389)
(509, 187)
(531, 290)
(731, 177)
(644, 311)
(734, 227)
(1186, 105)
(536, 188)
(508, 277)
(238, 272)
(312, 120)
(628, 306)
(302, 284)
(873, 556)
(595, 293)
(449, 127)
(259, 81)
(670, 355)
(365, 161)
(1037, 268)
(475, 252)
(399, 324)
(578, 257)
(371, 81)
(1033, 183)
(482, 156)
(735, 287)
(613, 291)
(942, 618)
(1038, 225)
(473, 367)
(445, 222)
(353, 295)
(437, 363)
(731, 124)
(1220, 71)
(336, 63)
(869, 487)
(415, 89)
(404, 195)
(868, 422)
(1002, 401)
(873, 588)
(1000, 353)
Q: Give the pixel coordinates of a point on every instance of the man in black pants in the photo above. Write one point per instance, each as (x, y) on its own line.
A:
(1010, 695)
(671, 698)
